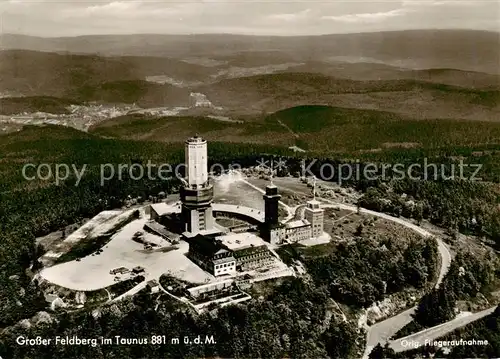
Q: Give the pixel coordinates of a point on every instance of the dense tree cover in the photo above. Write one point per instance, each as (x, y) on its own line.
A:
(435, 307)
(361, 273)
(29, 209)
(469, 207)
(469, 274)
(355, 274)
(326, 130)
(383, 352)
(357, 129)
(291, 322)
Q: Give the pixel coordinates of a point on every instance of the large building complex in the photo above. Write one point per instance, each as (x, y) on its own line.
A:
(277, 232)
(219, 250)
(228, 253)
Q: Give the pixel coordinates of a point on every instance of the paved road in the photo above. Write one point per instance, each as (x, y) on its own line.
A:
(428, 335)
(382, 331)
(443, 250)
(132, 291)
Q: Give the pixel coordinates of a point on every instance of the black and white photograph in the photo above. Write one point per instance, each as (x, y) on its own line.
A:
(249, 179)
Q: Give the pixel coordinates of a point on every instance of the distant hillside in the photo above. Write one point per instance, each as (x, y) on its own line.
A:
(319, 128)
(142, 93)
(15, 105)
(458, 49)
(417, 99)
(177, 129)
(366, 71)
(435, 93)
(50, 74)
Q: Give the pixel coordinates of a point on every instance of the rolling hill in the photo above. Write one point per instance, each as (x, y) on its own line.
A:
(416, 99)
(366, 71)
(15, 105)
(49, 74)
(324, 129)
(417, 49)
(158, 82)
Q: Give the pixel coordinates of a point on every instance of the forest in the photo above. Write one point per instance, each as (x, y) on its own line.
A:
(290, 320)
(30, 209)
(372, 268)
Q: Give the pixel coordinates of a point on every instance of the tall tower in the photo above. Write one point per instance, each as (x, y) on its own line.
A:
(315, 214)
(271, 205)
(273, 230)
(197, 193)
(196, 157)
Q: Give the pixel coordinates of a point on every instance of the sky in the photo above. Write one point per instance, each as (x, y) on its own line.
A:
(264, 17)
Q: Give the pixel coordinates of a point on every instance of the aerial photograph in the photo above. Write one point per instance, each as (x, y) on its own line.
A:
(249, 179)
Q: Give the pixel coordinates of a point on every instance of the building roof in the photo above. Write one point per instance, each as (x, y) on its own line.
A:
(314, 205)
(314, 202)
(163, 208)
(207, 246)
(241, 210)
(298, 223)
(159, 229)
(210, 286)
(238, 241)
(195, 139)
(206, 233)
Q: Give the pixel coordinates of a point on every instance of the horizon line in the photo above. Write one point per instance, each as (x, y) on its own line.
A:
(246, 35)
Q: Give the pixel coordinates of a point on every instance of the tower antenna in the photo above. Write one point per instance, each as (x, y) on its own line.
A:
(272, 171)
(314, 187)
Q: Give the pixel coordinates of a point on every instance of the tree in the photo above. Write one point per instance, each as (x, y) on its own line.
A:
(382, 352)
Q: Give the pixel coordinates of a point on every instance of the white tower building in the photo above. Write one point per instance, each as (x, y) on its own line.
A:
(314, 214)
(197, 193)
(196, 162)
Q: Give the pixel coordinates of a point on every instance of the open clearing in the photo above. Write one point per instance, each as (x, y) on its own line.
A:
(92, 272)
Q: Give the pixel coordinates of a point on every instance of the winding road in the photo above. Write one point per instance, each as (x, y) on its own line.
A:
(429, 335)
(381, 332)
